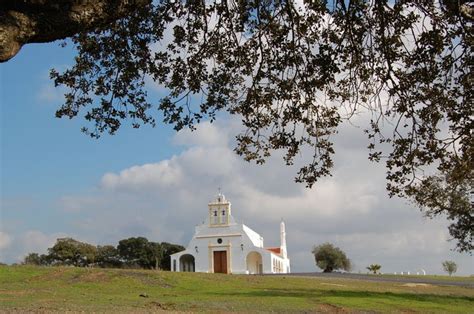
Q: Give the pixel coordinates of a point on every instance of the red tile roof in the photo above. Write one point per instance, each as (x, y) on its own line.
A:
(275, 250)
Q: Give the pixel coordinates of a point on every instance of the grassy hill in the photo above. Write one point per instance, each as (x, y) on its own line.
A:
(59, 289)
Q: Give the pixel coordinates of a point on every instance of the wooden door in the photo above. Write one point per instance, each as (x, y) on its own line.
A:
(220, 262)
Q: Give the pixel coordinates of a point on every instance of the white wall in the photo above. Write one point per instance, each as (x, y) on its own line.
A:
(237, 239)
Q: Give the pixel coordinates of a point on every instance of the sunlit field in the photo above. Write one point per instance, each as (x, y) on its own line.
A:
(26, 288)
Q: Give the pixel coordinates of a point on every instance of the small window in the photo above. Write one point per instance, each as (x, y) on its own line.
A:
(219, 241)
(215, 213)
(223, 213)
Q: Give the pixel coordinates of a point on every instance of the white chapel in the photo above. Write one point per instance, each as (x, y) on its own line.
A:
(220, 245)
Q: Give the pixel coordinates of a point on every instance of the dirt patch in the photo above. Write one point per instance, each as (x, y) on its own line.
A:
(17, 293)
(92, 276)
(332, 284)
(412, 284)
(57, 273)
(253, 278)
(157, 306)
(143, 277)
(329, 308)
(147, 279)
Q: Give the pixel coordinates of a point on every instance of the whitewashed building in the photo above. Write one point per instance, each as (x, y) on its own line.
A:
(220, 245)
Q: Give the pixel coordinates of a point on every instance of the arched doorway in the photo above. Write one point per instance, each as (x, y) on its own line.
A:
(186, 263)
(254, 263)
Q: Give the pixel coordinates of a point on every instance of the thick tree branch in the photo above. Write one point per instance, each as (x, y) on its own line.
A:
(39, 21)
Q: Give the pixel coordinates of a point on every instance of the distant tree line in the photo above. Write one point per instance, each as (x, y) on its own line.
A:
(130, 253)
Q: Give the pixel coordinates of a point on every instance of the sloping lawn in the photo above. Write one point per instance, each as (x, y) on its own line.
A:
(59, 289)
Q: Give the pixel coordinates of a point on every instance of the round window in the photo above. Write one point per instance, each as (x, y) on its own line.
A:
(219, 240)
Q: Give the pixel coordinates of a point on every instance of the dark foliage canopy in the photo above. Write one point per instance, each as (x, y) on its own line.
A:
(374, 268)
(68, 251)
(166, 250)
(139, 251)
(450, 267)
(135, 252)
(36, 259)
(294, 71)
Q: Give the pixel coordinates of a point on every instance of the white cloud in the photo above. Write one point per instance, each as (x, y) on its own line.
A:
(73, 204)
(164, 200)
(207, 134)
(5, 240)
(37, 241)
(162, 174)
(30, 241)
(50, 94)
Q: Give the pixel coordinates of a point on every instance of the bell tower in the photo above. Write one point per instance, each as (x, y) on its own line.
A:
(219, 211)
(283, 239)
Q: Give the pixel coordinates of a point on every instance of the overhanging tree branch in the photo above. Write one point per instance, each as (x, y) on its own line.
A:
(40, 21)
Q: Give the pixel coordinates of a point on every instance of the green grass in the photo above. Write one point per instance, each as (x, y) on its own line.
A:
(59, 289)
(434, 277)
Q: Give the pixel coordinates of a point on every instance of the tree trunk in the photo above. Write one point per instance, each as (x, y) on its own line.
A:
(40, 21)
(328, 270)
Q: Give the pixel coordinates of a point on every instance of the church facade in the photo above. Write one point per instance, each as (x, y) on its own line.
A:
(220, 245)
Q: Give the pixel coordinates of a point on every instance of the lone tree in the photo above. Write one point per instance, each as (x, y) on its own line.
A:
(374, 268)
(450, 267)
(330, 258)
(292, 71)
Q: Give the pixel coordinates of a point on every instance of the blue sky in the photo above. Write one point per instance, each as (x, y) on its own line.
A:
(56, 181)
(40, 152)
(43, 157)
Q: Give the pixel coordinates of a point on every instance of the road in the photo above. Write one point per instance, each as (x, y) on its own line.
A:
(385, 278)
